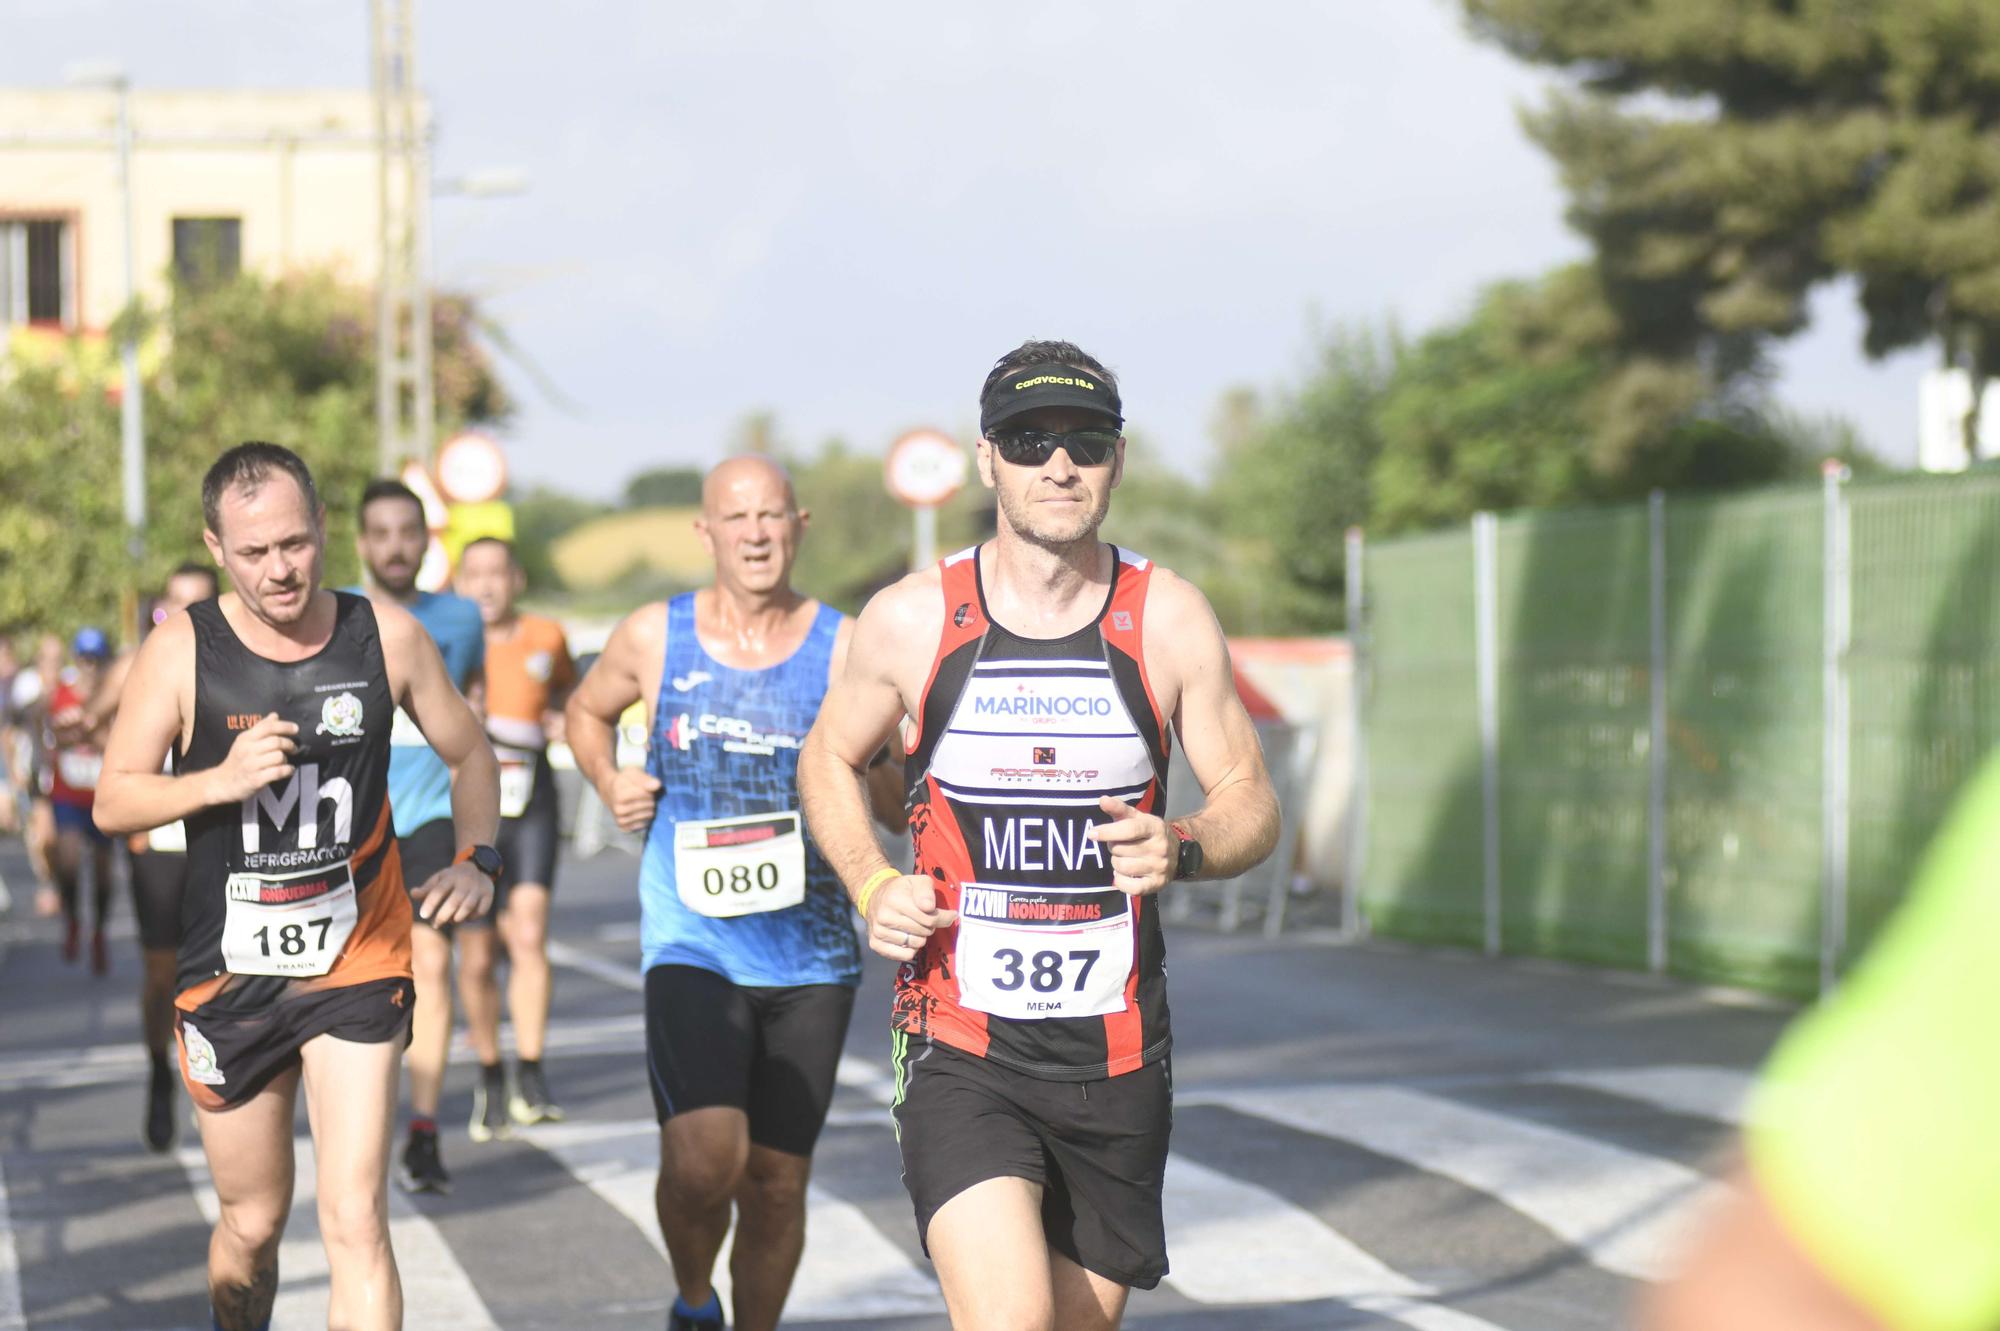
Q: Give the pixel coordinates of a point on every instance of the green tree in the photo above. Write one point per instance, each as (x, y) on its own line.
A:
(541, 516)
(1779, 143)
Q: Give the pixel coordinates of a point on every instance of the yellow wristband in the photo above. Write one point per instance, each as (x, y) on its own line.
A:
(875, 880)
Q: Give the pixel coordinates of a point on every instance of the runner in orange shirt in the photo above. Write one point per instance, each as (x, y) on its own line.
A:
(528, 678)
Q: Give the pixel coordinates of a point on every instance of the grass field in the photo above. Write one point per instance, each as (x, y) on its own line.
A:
(660, 540)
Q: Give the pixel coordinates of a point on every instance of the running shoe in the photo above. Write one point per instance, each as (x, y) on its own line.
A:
(100, 953)
(707, 1319)
(531, 1101)
(160, 1110)
(489, 1108)
(423, 1167)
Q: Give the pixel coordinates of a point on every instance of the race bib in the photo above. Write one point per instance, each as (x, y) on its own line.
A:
(171, 839)
(517, 778)
(403, 732)
(740, 866)
(287, 924)
(1032, 953)
(80, 769)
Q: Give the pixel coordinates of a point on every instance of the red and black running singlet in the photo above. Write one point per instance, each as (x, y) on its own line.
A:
(1050, 971)
(299, 887)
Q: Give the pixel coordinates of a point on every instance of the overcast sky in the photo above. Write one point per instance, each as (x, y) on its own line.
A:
(841, 213)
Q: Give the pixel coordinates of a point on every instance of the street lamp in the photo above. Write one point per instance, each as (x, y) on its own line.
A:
(131, 407)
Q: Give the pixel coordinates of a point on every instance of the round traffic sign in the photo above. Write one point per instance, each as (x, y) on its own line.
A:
(924, 468)
(471, 468)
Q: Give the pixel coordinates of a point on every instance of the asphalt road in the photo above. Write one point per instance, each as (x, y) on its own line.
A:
(1364, 1136)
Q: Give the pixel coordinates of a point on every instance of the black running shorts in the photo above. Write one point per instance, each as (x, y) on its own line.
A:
(426, 850)
(228, 1055)
(158, 879)
(527, 844)
(771, 1052)
(1098, 1149)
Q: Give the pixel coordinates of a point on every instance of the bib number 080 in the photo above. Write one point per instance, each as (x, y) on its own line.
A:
(740, 878)
(1042, 972)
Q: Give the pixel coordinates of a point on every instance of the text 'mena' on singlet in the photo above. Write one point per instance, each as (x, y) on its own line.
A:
(1050, 969)
(298, 887)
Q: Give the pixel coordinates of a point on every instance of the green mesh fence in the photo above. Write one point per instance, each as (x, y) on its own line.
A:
(1742, 804)
(1574, 635)
(1924, 671)
(1424, 859)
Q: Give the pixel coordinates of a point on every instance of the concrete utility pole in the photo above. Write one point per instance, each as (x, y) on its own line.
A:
(405, 406)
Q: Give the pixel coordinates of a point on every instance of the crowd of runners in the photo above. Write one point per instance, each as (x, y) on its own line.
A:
(324, 797)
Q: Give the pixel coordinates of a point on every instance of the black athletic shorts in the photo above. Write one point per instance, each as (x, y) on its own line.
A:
(527, 844)
(158, 879)
(771, 1052)
(425, 851)
(228, 1055)
(1097, 1148)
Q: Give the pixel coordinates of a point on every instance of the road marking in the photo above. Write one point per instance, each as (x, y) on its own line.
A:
(850, 1270)
(1627, 1212)
(436, 1290)
(1706, 1092)
(13, 1313)
(1232, 1242)
(611, 972)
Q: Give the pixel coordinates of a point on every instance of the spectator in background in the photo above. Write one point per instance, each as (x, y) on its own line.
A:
(31, 691)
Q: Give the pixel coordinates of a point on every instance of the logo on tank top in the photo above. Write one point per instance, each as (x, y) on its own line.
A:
(693, 679)
(540, 665)
(1121, 620)
(340, 715)
(963, 613)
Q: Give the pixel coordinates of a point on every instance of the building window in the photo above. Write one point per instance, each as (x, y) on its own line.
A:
(37, 273)
(207, 250)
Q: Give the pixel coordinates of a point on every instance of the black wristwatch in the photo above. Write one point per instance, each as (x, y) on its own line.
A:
(1188, 865)
(483, 858)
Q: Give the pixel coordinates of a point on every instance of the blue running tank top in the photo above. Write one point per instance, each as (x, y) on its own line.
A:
(725, 748)
(419, 781)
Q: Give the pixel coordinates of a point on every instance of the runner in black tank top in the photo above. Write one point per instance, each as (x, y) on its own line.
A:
(275, 702)
(1037, 680)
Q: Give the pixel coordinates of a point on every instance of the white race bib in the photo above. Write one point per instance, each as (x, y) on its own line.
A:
(517, 786)
(740, 866)
(171, 839)
(1032, 953)
(403, 732)
(79, 768)
(287, 924)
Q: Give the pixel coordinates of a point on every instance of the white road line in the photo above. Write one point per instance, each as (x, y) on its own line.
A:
(436, 1290)
(1706, 1092)
(850, 1270)
(611, 972)
(1627, 1212)
(1231, 1242)
(13, 1314)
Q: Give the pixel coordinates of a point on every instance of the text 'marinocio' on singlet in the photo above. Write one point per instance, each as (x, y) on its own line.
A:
(731, 881)
(300, 885)
(1050, 970)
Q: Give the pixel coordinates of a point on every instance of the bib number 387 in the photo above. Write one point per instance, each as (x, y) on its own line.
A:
(1032, 954)
(289, 924)
(740, 866)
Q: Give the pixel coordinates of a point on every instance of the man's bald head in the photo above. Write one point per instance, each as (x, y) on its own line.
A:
(733, 479)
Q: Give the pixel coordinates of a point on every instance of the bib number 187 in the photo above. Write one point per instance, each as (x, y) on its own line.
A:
(292, 938)
(1043, 971)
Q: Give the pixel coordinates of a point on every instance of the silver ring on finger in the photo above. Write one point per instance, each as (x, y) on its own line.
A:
(906, 938)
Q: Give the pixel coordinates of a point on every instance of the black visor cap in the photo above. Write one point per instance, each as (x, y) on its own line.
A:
(1036, 386)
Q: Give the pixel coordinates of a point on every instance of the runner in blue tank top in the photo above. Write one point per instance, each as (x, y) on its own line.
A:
(391, 544)
(750, 953)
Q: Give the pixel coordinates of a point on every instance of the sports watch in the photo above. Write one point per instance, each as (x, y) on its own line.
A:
(483, 858)
(1188, 865)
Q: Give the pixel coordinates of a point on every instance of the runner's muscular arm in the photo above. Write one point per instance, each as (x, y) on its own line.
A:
(885, 769)
(134, 794)
(632, 661)
(1238, 824)
(860, 713)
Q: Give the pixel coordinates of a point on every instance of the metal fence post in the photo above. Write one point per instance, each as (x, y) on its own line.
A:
(1485, 594)
(1656, 747)
(1357, 742)
(1837, 635)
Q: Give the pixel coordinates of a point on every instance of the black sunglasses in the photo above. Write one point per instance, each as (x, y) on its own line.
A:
(1031, 448)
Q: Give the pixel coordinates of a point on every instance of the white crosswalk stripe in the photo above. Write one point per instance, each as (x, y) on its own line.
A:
(436, 1290)
(1230, 1242)
(850, 1270)
(12, 1317)
(1706, 1092)
(1624, 1210)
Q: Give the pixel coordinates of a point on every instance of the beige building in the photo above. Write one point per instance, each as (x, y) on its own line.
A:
(221, 181)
